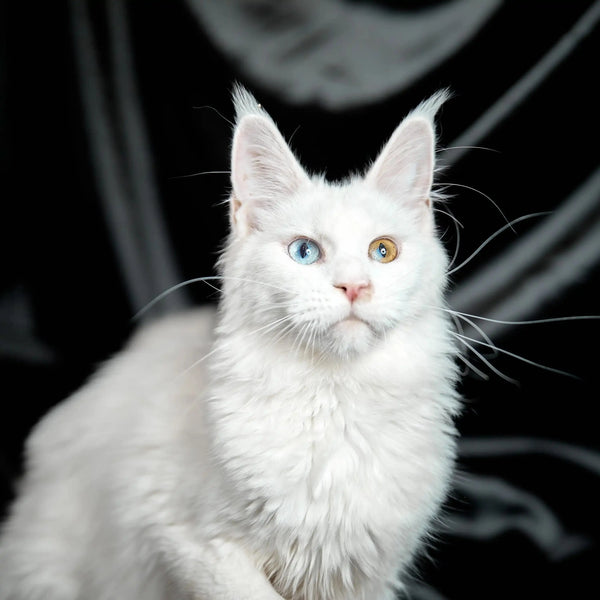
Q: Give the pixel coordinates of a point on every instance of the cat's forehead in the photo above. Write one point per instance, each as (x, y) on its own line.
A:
(349, 208)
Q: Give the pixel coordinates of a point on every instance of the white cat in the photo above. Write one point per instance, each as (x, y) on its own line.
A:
(296, 445)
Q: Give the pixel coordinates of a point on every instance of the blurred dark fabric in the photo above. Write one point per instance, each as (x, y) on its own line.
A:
(110, 112)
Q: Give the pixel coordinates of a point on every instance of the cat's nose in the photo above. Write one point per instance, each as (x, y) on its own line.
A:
(355, 290)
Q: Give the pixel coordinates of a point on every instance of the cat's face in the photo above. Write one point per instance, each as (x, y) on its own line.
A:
(331, 267)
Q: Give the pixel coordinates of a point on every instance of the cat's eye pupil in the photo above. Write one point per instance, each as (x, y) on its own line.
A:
(382, 250)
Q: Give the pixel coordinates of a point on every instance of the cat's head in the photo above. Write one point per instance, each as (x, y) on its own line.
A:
(331, 267)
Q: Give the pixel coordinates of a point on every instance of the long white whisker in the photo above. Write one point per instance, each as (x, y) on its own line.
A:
(203, 106)
(449, 214)
(459, 329)
(479, 330)
(494, 235)
(295, 342)
(270, 326)
(284, 330)
(170, 290)
(527, 322)
(463, 339)
(488, 198)
(193, 365)
(266, 327)
(299, 343)
(214, 287)
(313, 341)
(457, 227)
(310, 343)
(467, 148)
(200, 173)
(471, 366)
(457, 323)
(206, 280)
(518, 357)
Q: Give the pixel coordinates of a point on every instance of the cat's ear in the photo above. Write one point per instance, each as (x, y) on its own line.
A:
(263, 169)
(405, 166)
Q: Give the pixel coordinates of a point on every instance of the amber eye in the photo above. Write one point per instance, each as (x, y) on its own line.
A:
(383, 250)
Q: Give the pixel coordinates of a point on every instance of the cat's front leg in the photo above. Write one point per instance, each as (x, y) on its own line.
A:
(217, 570)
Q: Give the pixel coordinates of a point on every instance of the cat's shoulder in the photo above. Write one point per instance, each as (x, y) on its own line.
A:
(195, 325)
(129, 386)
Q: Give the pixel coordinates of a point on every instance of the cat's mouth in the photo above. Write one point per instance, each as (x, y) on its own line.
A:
(351, 324)
(352, 318)
(356, 321)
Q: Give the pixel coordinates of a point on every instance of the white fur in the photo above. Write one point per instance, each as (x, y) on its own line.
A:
(307, 456)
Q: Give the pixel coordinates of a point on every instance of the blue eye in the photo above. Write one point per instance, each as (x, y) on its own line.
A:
(304, 251)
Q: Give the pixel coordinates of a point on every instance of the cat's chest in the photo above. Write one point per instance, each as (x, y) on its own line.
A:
(332, 472)
(316, 444)
(295, 448)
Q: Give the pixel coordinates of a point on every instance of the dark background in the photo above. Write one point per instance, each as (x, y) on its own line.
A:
(108, 109)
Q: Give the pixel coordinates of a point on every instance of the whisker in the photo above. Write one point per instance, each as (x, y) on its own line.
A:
(193, 366)
(480, 331)
(471, 366)
(463, 339)
(526, 322)
(518, 357)
(215, 110)
(309, 338)
(299, 342)
(467, 317)
(439, 150)
(170, 290)
(284, 330)
(289, 141)
(269, 328)
(456, 249)
(308, 344)
(457, 227)
(449, 214)
(494, 235)
(459, 328)
(266, 327)
(206, 280)
(200, 173)
(313, 341)
(457, 323)
(468, 187)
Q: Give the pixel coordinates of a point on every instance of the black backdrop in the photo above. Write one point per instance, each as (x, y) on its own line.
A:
(109, 109)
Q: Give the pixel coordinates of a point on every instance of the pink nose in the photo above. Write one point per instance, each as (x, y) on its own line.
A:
(354, 290)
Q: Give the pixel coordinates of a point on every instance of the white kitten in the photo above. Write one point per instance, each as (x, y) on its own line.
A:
(306, 457)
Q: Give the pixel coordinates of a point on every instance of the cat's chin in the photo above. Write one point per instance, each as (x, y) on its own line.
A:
(351, 336)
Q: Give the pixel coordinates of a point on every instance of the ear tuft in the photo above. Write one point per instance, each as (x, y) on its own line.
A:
(245, 104)
(263, 169)
(405, 166)
(430, 107)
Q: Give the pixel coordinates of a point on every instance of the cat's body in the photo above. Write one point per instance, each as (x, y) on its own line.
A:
(305, 457)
